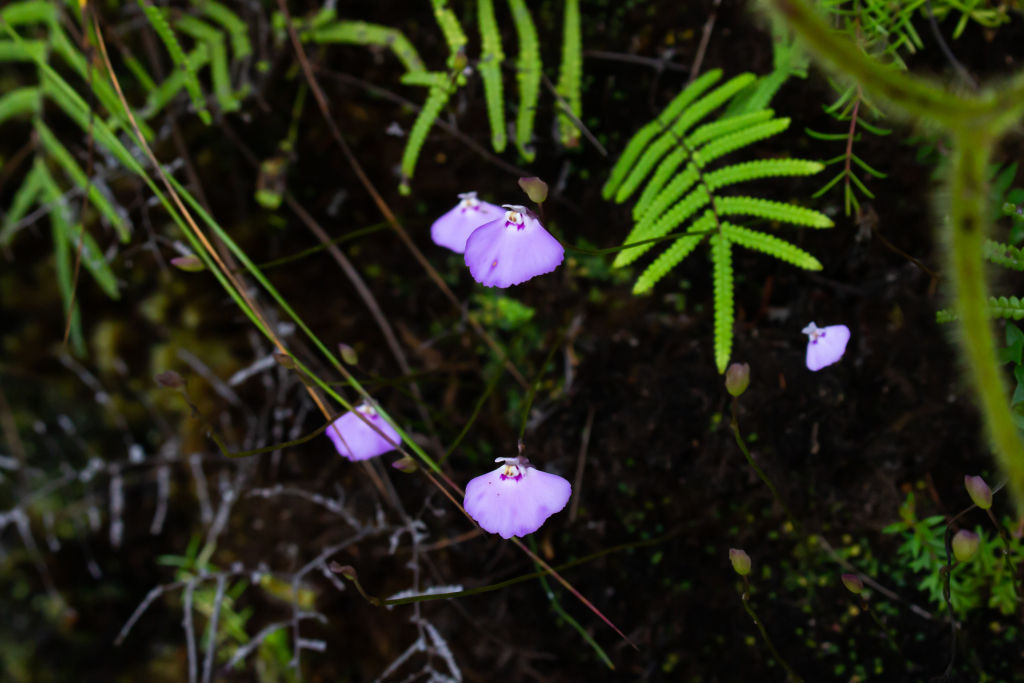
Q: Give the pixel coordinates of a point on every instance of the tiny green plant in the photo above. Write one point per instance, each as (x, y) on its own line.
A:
(682, 186)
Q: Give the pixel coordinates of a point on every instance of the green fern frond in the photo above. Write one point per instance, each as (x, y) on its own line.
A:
(453, 34)
(436, 100)
(96, 198)
(27, 51)
(528, 72)
(237, 29)
(765, 168)
(721, 260)
(702, 157)
(92, 256)
(701, 136)
(490, 71)
(20, 101)
(669, 258)
(218, 51)
(362, 33)
(648, 132)
(683, 184)
(30, 12)
(1001, 307)
(671, 137)
(570, 74)
(23, 200)
(776, 211)
(770, 244)
(688, 206)
(163, 29)
(1001, 254)
(162, 95)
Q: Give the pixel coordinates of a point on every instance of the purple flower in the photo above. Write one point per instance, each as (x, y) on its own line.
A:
(454, 228)
(356, 440)
(512, 249)
(516, 498)
(826, 345)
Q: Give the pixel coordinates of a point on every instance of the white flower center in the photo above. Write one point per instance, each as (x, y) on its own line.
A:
(513, 217)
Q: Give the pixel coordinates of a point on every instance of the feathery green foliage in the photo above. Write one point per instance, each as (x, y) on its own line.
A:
(489, 67)
(362, 33)
(682, 186)
(453, 34)
(190, 81)
(570, 74)
(528, 72)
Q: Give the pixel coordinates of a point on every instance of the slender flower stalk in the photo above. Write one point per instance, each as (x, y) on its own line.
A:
(741, 564)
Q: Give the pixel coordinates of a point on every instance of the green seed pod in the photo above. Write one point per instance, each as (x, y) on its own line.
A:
(737, 378)
(965, 544)
(535, 188)
(853, 583)
(740, 561)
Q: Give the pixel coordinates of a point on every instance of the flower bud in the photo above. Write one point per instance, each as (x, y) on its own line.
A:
(348, 354)
(852, 583)
(347, 571)
(284, 360)
(979, 491)
(190, 263)
(535, 188)
(740, 561)
(737, 378)
(406, 464)
(965, 544)
(169, 379)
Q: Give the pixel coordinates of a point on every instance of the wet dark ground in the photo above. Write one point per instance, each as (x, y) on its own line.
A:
(844, 445)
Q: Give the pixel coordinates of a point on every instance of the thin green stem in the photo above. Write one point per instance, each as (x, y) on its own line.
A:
(472, 418)
(764, 477)
(536, 383)
(878, 622)
(560, 611)
(767, 640)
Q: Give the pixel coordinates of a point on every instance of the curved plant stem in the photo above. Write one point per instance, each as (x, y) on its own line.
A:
(764, 636)
(735, 426)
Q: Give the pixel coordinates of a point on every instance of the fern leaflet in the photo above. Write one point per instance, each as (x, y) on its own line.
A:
(721, 259)
(361, 33)
(528, 72)
(490, 71)
(163, 29)
(570, 74)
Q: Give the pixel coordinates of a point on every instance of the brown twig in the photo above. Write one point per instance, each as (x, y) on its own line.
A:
(567, 110)
(580, 464)
(705, 38)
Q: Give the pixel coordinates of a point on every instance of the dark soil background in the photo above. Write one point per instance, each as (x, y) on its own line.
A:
(844, 445)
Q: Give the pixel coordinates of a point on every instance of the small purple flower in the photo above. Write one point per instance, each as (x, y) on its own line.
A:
(512, 249)
(356, 440)
(826, 345)
(454, 228)
(516, 498)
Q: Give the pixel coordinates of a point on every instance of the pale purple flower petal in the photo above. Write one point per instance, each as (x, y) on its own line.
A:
(512, 249)
(454, 228)
(826, 345)
(516, 498)
(356, 440)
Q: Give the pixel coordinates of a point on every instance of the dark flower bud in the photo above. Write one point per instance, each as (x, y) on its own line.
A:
(965, 544)
(853, 583)
(190, 263)
(169, 379)
(737, 378)
(406, 464)
(979, 491)
(535, 188)
(740, 561)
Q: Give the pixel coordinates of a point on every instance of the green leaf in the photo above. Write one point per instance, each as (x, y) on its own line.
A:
(92, 256)
(721, 259)
(490, 71)
(163, 29)
(570, 74)
(750, 206)
(453, 34)
(769, 244)
(362, 33)
(96, 198)
(436, 100)
(20, 101)
(528, 72)
(23, 200)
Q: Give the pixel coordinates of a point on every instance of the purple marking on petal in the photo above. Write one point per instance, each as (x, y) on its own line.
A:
(453, 228)
(512, 250)
(826, 345)
(356, 440)
(515, 505)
